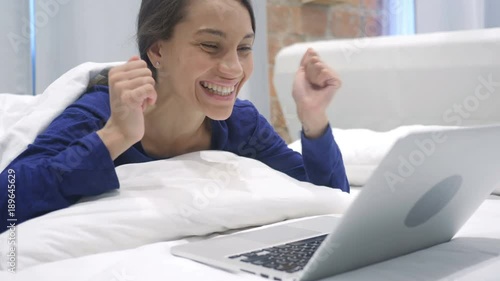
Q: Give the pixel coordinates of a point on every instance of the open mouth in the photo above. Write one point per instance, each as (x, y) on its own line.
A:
(218, 90)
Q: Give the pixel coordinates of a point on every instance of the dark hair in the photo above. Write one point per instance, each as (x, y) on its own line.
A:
(158, 18)
(100, 79)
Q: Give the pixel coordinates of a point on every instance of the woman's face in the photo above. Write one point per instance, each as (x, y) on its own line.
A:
(209, 57)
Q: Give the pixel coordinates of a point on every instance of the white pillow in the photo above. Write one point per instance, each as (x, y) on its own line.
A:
(363, 149)
(194, 194)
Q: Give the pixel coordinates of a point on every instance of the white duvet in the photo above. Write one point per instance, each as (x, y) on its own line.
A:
(191, 195)
(473, 255)
(25, 117)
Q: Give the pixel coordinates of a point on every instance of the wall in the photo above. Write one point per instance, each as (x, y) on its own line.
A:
(448, 15)
(15, 73)
(256, 89)
(78, 31)
(492, 8)
(289, 21)
(451, 15)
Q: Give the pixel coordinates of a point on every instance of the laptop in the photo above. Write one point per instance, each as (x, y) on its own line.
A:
(420, 195)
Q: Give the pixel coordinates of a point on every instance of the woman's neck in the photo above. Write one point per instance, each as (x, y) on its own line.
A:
(173, 128)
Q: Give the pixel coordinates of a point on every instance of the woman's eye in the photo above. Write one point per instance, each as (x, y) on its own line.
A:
(209, 46)
(245, 49)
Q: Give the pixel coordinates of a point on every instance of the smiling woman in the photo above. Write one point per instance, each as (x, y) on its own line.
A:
(178, 96)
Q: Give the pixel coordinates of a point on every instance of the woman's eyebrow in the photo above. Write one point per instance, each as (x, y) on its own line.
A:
(220, 33)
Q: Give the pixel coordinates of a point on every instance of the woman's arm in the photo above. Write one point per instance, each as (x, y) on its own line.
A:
(66, 162)
(323, 160)
(74, 156)
(320, 163)
(314, 87)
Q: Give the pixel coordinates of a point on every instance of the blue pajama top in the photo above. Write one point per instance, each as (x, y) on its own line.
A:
(69, 161)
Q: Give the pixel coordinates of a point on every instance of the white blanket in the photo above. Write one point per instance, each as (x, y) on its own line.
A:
(194, 194)
(475, 255)
(25, 117)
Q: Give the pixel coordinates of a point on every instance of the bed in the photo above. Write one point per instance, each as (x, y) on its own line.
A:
(408, 84)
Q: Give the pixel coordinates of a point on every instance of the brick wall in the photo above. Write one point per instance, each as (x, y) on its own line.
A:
(290, 21)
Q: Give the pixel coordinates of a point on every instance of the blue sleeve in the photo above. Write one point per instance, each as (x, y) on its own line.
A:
(65, 163)
(323, 161)
(320, 163)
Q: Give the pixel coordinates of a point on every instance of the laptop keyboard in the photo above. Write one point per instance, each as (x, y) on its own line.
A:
(290, 257)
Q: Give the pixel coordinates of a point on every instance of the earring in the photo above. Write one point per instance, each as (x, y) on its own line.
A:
(157, 65)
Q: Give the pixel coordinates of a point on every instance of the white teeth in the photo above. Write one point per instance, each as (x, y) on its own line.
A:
(217, 89)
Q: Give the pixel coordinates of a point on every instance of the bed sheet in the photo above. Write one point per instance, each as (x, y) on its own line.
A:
(474, 254)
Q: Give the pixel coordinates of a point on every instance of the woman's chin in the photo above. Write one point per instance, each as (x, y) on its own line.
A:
(219, 114)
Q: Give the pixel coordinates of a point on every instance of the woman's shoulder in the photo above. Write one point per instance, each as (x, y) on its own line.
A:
(244, 110)
(95, 102)
(98, 92)
(245, 118)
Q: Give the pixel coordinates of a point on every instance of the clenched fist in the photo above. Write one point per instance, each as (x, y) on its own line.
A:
(314, 86)
(131, 90)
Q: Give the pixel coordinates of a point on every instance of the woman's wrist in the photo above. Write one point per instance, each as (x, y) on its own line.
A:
(314, 125)
(115, 142)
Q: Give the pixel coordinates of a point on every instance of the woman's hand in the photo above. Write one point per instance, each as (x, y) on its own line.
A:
(131, 90)
(314, 86)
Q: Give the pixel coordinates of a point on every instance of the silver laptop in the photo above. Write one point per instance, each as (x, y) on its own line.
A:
(421, 194)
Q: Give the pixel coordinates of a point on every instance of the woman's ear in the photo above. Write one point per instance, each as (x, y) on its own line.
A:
(155, 54)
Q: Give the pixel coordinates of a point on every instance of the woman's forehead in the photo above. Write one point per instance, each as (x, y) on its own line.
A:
(227, 14)
(214, 6)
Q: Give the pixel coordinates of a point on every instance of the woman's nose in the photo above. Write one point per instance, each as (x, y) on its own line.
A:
(230, 65)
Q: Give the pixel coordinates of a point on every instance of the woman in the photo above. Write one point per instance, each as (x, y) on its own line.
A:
(178, 97)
